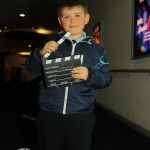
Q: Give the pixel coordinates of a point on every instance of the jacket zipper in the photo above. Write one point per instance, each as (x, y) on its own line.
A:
(65, 100)
(66, 89)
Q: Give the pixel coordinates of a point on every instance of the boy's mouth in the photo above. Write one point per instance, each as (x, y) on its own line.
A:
(73, 26)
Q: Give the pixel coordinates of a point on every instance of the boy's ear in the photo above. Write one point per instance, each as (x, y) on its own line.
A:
(87, 18)
(59, 20)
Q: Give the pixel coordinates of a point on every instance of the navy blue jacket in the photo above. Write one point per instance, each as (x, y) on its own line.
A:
(77, 99)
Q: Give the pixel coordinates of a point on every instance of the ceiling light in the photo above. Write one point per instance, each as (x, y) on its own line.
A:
(43, 31)
(29, 45)
(22, 15)
(24, 53)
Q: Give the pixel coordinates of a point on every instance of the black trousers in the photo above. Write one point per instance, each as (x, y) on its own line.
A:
(65, 132)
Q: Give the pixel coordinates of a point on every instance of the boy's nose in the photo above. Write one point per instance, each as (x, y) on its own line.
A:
(72, 19)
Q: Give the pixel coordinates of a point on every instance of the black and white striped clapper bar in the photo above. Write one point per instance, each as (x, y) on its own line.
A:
(57, 72)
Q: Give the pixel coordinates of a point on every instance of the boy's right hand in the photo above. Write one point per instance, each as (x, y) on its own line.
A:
(49, 47)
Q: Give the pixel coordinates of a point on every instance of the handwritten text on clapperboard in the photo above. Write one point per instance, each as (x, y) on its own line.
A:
(58, 71)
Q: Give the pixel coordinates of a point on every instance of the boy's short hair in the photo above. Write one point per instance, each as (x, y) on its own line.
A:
(72, 3)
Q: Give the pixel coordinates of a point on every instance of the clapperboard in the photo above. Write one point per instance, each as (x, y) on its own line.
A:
(57, 72)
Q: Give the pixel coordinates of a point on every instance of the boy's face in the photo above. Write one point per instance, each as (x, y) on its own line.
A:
(73, 19)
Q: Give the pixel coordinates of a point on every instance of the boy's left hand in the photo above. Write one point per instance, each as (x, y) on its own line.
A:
(80, 72)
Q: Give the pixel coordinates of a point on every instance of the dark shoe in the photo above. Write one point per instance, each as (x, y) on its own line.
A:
(29, 116)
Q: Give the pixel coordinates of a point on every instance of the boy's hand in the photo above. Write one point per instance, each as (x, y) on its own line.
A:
(49, 47)
(80, 72)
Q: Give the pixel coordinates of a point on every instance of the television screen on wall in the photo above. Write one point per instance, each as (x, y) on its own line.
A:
(141, 29)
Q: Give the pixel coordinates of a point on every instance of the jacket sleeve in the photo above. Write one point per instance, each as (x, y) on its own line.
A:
(99, 75)
(99, 79)
(33, 63)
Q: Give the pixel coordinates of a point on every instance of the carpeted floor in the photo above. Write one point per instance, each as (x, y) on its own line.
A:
(17, 132)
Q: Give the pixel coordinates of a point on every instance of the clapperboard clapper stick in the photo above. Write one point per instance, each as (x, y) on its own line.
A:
(67, 34)
(57, 72)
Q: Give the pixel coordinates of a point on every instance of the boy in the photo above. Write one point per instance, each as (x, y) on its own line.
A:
(66, 119)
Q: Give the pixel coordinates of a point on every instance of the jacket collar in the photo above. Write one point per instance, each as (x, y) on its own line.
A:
(79, 39)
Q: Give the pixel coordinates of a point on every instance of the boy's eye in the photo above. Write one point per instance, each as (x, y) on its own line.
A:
(66, 17)
(77, 15)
